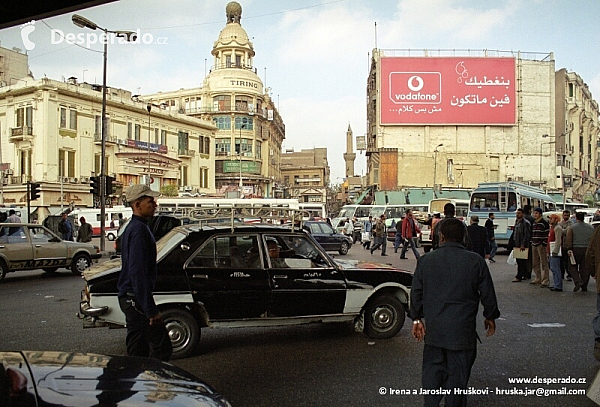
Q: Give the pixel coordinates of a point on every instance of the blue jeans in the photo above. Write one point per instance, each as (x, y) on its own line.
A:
(397, 241)
(493, 248)
(556, 272)
(410, 242)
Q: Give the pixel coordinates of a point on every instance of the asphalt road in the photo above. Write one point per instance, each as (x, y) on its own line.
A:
(330, 364)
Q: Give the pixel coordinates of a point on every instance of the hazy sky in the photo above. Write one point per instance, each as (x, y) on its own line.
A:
(316, 53)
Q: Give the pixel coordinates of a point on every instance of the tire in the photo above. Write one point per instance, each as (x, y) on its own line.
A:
(384, 317)
(183, 331)
(344, 247)
(426, 249)
(3, 270)
(110, 236)
(50, 269)
(80, 263)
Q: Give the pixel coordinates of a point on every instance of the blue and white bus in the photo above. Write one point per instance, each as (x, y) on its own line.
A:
(503, 199)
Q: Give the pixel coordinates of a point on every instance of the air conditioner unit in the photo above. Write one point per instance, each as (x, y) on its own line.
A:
(73, 180)
(187, 188)
(122, 142)
(519, 179)
(181, 189)
(85, 180)
(8, 172)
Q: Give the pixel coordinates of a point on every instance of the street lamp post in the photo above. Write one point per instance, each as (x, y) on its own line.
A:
(149, 107)
(435, 166)
(83, 22)
(243, 126)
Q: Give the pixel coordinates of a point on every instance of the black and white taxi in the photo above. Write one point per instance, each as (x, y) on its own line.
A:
(253, 275)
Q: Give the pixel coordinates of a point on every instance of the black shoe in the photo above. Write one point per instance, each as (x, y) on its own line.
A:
(384, 254)
(584, 288)
(371, 251)
(577, 287)
(492, 260)
(403, 258)
(395, 250)
(556, 289)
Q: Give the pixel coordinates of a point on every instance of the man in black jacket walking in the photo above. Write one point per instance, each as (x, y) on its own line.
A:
(479, 238)
(489, 226)
(447, 287)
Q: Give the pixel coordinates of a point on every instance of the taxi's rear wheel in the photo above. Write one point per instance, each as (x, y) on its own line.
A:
(80, 263)
(183, 331)
(3, 270)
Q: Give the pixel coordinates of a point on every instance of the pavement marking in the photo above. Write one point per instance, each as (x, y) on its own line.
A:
(548, 325)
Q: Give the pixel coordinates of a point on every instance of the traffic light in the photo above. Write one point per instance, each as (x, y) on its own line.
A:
(95, 185)
(110, 185)
(34, 191)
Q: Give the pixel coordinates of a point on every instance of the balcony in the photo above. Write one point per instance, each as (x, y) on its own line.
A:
(232, 65)
(109, 139)
(21, 133)
(185, 153)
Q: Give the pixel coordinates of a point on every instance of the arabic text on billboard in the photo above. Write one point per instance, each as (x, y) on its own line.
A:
(448, 91)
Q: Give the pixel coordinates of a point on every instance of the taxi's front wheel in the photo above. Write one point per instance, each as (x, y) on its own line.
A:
(3, 270)
(80, 263)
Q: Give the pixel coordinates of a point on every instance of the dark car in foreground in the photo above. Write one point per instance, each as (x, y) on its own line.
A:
(38, 378)
(253, 275)
(328, 238)
(28, 246)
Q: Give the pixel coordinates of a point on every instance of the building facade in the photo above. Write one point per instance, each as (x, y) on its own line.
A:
(457, 119)
(14, 66)
(51, 134)
(305, 175)
(250, 131)
(577, 136)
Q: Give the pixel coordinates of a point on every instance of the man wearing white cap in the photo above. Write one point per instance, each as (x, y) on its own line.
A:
(146, 332)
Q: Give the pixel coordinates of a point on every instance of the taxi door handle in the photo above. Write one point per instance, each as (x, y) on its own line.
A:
(202, 276)
(280, 276)
(38, 245)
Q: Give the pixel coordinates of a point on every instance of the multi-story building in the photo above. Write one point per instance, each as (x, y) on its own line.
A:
(455, 119)
(577, 135)
(51, 134)
(14, 66)
(305, 175)
(250, 130)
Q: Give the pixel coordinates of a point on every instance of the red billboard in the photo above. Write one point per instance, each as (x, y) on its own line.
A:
(455, 90)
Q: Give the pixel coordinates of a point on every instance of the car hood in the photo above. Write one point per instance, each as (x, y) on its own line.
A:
(366, 265)
(85, 379)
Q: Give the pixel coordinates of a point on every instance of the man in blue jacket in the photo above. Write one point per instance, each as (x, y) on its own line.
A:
(146, 332)
(447, 287)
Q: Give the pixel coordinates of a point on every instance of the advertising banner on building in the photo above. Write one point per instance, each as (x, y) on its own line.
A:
(448, 91)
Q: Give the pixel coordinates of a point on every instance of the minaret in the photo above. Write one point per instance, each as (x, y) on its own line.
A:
(349, 155)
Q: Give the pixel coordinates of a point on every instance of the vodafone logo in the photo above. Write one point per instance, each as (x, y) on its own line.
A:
(415, 87)
(411, 83)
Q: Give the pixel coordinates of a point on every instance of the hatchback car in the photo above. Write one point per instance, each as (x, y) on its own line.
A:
(28, 246)
(249, 276)
(42, 378)
(327, 237)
